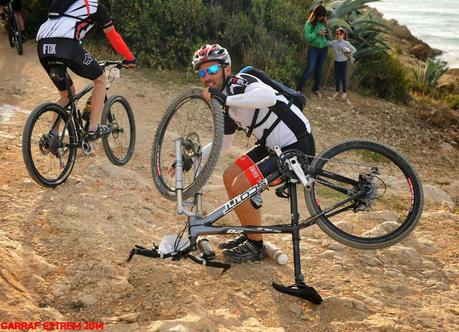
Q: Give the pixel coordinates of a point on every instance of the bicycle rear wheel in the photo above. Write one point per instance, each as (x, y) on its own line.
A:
(198, 123)
(119, 144)
(48, 159)
(390, 207)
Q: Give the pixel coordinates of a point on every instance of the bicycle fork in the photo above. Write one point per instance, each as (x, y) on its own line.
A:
(299, 288)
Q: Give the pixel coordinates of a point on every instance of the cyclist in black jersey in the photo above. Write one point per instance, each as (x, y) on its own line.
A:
(59, 40)
(17, 8)
(259, 110)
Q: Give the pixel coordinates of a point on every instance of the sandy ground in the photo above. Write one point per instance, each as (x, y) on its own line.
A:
(63, 251)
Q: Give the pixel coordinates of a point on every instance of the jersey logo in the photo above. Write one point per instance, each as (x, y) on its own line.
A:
(239, 81)
(49, 48)
(87, 59)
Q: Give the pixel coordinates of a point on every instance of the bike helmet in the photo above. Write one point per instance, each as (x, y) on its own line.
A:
(208, 53)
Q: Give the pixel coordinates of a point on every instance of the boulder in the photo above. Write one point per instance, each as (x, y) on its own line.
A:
(435, 195)
(405, 256)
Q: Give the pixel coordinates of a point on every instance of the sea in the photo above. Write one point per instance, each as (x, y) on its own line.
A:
(435, 22)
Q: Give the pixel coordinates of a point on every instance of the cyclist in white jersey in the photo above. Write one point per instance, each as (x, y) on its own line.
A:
(59, 40)
(259, 110)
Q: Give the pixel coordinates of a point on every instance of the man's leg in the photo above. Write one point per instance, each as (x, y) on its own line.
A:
(236, 182)
(21, 22)
(97, 101)
(62, 101)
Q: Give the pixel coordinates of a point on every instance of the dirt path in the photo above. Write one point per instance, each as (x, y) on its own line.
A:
(63, 251)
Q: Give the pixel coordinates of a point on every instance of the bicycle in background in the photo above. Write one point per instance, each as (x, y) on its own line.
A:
(50, 159)
(12, 26)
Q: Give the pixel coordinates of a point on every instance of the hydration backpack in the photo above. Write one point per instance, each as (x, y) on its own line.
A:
(59, 7)
(294, 97)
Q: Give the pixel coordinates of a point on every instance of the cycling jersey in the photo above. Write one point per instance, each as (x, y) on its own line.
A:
(245, 94)
(77, 20)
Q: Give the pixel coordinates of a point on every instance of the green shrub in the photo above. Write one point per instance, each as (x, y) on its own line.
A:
(453, 101)
(427, 78)
(384, 76)
(265, 33)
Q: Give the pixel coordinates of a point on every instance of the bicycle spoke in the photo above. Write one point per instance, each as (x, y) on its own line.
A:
(119, 144)
(49, 158)
(190, 119)
(387, 204)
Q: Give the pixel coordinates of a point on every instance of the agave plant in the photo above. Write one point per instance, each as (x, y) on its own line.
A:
(364, 30)
(427, 78)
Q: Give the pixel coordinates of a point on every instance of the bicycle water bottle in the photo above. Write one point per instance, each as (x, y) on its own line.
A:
(206, 249)
(275, 253)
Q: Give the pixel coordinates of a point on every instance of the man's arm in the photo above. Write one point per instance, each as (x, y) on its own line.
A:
(256, 95)
(103, 20)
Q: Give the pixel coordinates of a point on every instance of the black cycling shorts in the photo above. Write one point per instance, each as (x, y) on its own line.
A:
(260, 162)
(71, 54)
(17, 4)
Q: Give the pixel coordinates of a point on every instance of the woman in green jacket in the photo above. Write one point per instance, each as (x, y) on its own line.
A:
(315, 31)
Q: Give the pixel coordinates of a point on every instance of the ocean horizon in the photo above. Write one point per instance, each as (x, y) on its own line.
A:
(436, 22)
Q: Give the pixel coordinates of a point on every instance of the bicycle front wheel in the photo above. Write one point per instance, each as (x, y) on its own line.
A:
(387, 195)
(119, 144)
(197, 123)
(49, 159)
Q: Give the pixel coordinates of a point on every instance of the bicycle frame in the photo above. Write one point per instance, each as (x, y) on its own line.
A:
(73, 99)
(198, 225)
(203, 226)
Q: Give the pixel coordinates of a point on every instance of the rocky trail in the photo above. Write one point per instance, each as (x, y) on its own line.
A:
(63, 251)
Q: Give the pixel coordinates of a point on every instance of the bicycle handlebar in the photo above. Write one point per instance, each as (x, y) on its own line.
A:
(154, 253)
(106, 63)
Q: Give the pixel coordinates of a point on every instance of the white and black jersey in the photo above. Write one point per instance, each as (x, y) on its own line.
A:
(77, 20)
(245, 94)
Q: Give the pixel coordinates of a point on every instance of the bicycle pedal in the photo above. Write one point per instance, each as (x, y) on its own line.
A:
(282, 192)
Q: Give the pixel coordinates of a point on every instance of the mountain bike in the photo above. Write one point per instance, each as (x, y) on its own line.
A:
(50, 159)
(361, 193)
(12, 26)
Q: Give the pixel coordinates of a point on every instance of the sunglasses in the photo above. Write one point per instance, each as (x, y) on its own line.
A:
(212, 70)
(339, 33)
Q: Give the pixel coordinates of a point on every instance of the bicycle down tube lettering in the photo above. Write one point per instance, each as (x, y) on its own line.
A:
(236, 201)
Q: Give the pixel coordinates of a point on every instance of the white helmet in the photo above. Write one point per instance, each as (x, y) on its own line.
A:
(209, 53)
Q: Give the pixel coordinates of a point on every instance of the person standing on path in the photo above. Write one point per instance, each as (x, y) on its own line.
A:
(343, 51)
(315, 32)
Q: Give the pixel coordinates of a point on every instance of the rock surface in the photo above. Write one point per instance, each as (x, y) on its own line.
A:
(64, 250)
